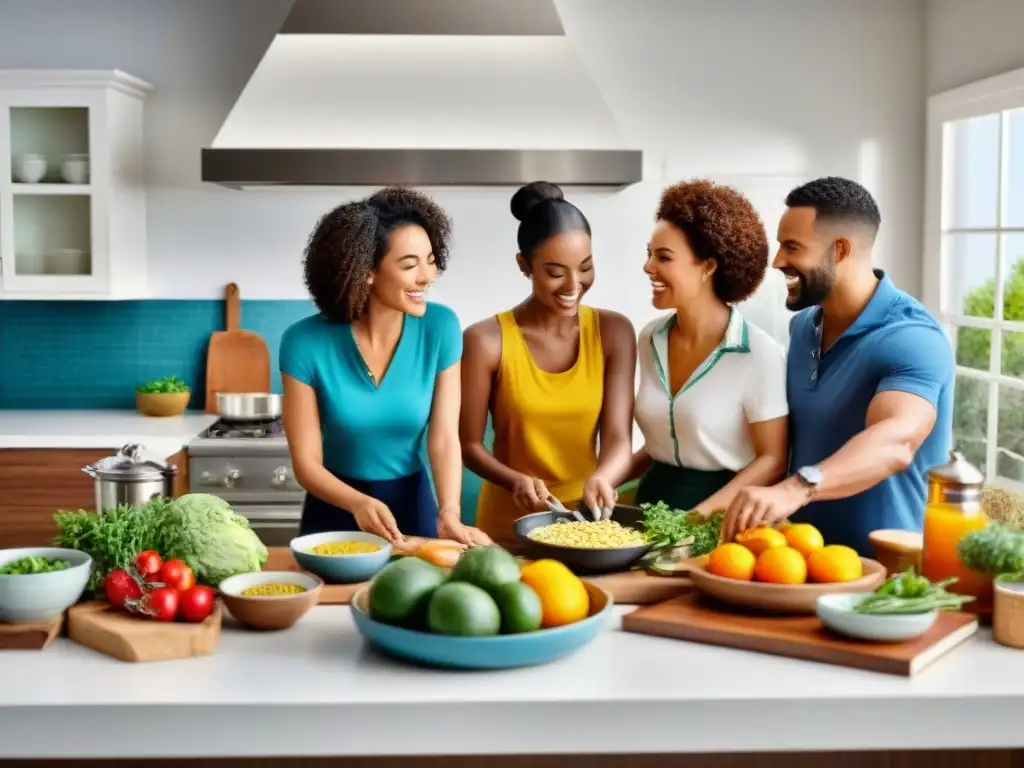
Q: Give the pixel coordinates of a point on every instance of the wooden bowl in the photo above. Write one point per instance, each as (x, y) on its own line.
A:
(897, 550)
(780, 598)
(270, 613)
(1008, 613)
(162, 403)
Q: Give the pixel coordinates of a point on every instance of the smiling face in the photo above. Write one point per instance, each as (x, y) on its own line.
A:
(401, 279)
(561, 270)
(677, 276)
(807, 257)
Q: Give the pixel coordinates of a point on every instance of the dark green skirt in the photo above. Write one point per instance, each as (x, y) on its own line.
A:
(680, 487)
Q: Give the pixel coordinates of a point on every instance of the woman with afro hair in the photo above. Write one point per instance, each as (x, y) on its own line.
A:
(376, 373)
(711, 403)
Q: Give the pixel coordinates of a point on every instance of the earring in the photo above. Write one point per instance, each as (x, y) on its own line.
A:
(369, 280)
(704, 277)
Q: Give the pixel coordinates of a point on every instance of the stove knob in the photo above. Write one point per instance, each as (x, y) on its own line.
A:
(208, 478)
(231, 477)
(281, 477)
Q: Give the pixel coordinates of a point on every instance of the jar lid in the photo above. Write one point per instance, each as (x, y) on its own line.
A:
(958, 471)
(129, 465)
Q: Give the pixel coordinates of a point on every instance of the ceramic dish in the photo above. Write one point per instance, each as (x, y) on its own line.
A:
(836, 612)
(270, 613)
(341, 569)
(496, 652)
(780, 598)
(42, 596)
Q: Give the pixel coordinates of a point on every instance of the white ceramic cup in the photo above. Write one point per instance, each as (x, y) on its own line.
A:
(30, 169)
(74, 169)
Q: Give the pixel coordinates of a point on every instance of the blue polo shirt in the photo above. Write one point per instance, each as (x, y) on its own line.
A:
(895, 345)
(370, 431)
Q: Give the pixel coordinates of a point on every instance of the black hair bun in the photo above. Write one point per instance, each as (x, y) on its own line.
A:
(526, 197)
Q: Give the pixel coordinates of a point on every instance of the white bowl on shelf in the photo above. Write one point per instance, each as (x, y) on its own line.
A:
(74, 169)
(30, 169)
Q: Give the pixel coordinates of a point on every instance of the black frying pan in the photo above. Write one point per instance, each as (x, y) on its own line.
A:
(591, 561)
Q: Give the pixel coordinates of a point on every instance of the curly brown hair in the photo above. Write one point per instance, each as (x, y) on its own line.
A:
(352, 239)
(720, 224)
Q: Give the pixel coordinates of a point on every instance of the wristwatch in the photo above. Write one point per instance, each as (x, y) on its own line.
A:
(811, 477)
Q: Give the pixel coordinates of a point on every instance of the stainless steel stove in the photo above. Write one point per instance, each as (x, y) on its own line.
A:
(248, 465)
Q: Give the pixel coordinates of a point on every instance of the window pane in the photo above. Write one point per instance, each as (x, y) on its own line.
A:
(973, 348)
(1010, 458)
(971, 275)
(1015, 195)
(1013, 274)
(974, 196)
(1013, 355)
(970, 419)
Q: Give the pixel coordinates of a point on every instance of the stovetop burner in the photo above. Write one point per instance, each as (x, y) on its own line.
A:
(246, 429)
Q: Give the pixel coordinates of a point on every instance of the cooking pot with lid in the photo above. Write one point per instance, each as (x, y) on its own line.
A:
(129, 478)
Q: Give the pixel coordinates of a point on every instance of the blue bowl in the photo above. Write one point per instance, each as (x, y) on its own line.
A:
(495, 652)
(341, 569)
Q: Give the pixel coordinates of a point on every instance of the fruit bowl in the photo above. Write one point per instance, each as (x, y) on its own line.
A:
(341, 569)
(491, 652)
(780, 598)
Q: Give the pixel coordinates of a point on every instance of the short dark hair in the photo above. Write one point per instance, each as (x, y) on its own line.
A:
(720, 224)
(834, 198)
(543, 212)
(352, 239)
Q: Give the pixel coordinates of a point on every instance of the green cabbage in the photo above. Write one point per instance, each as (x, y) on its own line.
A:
(216, 543)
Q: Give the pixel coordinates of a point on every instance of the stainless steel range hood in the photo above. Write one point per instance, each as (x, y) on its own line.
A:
(425, 93)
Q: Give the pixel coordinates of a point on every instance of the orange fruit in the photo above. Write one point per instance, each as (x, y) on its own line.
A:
(833, 564)
(781, 565)
(757, 540)
(563, 597)
(732, 561)
(804, 538)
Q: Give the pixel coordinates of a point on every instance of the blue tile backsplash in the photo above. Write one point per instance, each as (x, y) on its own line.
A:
(93, 354)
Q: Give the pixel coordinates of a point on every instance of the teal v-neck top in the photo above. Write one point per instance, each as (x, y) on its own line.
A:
(373, 431)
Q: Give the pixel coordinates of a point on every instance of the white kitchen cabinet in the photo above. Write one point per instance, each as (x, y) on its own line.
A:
(72, 187)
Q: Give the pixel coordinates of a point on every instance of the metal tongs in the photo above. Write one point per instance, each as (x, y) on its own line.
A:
(554, 505)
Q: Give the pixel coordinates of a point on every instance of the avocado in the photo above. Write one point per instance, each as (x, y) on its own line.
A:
(520, 607)
(487, 567)
(459, 608)
(401, 591)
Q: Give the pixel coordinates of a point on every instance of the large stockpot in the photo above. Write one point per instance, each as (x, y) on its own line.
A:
(248, 406)
(129, 478)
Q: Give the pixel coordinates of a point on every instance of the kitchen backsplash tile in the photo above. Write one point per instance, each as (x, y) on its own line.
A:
(93, 354)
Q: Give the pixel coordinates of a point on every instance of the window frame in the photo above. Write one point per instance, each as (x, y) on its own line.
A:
(997, 94)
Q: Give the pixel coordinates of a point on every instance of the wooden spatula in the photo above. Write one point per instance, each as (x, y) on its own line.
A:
(236, 360)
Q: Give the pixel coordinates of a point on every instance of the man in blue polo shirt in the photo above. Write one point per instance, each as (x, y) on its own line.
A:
(869, 379)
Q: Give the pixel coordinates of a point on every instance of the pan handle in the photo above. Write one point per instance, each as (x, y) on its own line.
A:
(232, 307)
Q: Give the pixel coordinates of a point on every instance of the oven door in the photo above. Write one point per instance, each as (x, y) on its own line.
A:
(275, 524)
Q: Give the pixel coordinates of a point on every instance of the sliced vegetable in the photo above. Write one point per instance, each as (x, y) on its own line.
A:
(908, 592)
(196, 604)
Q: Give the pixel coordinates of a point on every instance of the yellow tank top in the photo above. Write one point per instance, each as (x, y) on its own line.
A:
(545, 424)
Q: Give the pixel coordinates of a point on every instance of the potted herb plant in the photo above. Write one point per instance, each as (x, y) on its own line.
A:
(163, 397)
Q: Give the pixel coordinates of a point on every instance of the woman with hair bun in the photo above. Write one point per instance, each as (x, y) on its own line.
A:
(555, 375)
(375, 373)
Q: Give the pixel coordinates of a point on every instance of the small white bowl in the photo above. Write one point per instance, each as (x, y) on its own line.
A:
(836, 612)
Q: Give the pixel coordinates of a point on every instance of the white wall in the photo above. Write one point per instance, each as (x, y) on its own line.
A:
(762, 94)
(970, 40)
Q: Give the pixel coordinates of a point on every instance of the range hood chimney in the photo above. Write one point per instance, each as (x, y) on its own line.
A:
(423, 93)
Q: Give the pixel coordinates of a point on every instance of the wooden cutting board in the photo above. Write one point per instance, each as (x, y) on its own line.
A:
(695, 618)
(626, 588)
(98, 625)
(236, 360)
(29, 637)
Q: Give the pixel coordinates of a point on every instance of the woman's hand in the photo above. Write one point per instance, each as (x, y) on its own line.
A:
(374, 517)
(530, 494)
(450, 526)
(599, 497)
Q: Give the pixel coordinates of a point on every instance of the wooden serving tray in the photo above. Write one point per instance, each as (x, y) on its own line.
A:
(98, 625)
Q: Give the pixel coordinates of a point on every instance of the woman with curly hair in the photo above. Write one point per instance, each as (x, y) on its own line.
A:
(556, 377)
(712, 397)
(376, 372)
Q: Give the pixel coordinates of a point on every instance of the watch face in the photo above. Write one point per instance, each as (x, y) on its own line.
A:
(811, 475)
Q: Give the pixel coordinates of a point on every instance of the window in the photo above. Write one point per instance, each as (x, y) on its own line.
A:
(974, 264)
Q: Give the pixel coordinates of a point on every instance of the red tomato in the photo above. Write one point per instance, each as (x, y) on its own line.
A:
(148, 563)
(120, 586)
(177, 575)
(195, 604)
(160, 604)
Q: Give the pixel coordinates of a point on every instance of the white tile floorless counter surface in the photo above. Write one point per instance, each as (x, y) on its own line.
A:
(318, 690)
(100, 429)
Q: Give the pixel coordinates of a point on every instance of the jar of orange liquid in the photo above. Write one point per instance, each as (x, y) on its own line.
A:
(954, 510)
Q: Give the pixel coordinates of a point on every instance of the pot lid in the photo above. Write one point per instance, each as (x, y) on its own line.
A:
(128, 464)
(958, 471)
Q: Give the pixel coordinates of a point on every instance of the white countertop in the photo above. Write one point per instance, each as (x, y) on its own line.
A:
(100, 429)
(317, 689)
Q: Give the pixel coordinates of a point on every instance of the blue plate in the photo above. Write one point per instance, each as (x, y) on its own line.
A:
(341, 569)
(495, 652)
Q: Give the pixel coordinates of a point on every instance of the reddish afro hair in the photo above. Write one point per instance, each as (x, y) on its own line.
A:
(720, 224)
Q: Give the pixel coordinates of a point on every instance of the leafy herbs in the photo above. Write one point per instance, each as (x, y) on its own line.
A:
(667, 527)
(997, 548)
(33, 564)
(165, 386)
(908, 592)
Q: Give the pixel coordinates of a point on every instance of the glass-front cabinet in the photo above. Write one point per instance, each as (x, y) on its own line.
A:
(72, 185)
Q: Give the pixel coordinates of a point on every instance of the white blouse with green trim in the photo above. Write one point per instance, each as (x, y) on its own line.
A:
(706, 425)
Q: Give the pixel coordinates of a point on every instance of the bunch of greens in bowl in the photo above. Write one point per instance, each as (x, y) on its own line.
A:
(908, 592)
(169, 385)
